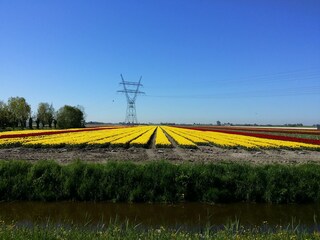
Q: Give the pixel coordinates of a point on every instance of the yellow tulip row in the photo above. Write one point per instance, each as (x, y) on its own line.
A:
(72, 138)
(193, 138)
(234, 140)
(180, 140)
(26, 131)
(35, 131)
(211, 139)
(141, 135)
(144, 139)
(124, 141)
(161, 139)
(113, 136)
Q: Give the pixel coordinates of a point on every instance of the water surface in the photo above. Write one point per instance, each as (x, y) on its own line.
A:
(186, 215)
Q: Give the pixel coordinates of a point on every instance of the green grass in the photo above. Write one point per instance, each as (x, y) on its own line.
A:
(128, 231)
(159, 181)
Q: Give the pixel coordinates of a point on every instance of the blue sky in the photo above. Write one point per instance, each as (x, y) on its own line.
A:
(200, 61)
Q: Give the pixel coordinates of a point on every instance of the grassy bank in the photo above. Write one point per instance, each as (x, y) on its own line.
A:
(159, 182)
(128, 231)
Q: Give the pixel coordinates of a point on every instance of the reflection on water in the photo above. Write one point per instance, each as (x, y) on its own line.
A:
(189, 215)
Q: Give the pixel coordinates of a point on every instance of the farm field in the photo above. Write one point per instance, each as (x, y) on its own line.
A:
(141, 143)
(266, 132)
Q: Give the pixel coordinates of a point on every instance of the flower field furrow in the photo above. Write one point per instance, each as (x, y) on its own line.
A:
(71, 138)
(30, 133)
(196, 139)
(213, 140)
(22, 132)
(231, 140)
(124, 141)
(181, 141)
(107, 139)
(75, 138)
(143, 140)
(254, 142)
(261, 135)
(234, 141)
(253, 129)
(139, 136)
(8, 142)
(161, 139)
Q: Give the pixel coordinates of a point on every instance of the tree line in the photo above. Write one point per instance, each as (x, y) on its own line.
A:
(16, 113)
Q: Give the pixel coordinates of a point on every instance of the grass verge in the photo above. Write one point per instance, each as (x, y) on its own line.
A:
(129, 231)
(159, 182)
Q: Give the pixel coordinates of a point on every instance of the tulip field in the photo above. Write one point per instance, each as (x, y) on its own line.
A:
(151, 136)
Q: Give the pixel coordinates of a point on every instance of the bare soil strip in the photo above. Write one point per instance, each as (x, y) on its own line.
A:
(204, 154)
(150, 151)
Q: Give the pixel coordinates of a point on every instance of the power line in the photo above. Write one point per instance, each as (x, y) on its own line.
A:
(294, 78)
(310, 90)
(269, 78)
(275, 79)
(288, 76)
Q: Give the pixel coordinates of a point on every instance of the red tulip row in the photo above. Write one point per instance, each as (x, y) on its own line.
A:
(271, 130)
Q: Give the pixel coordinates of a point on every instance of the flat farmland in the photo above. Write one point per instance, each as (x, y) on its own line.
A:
(173, 143)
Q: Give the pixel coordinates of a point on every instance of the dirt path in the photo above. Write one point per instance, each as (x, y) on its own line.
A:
(203, 154)
(150, 151)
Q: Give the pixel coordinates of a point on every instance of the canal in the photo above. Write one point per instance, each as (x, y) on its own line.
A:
(184, 215)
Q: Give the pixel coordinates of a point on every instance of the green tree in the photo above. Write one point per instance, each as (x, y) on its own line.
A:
(50, 115)
(19, 110)
(45, 114)
(70, 117)
(30, 123)
(4, 115)
(55, 123)
(41, 114)
(38, 123)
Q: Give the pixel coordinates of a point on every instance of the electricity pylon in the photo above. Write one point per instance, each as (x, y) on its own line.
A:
(131, 95)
